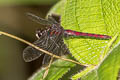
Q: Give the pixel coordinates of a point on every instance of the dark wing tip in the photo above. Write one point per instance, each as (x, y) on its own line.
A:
(39, 19)
(32, 16)
(31, 54)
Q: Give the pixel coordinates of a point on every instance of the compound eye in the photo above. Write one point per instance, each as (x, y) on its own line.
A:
(38, 33)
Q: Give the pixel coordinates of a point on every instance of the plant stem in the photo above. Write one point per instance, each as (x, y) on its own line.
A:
(51, 54)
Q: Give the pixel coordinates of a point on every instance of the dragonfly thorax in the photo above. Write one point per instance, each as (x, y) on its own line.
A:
(54, 30)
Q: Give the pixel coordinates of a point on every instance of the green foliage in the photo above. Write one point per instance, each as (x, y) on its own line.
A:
(58, 8)
(82, 73)
(88, 16)
(91, 16)
(108, 69)
(28, 2)
(56, 70)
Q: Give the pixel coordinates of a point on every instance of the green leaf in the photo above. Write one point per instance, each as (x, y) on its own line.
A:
(84, 72)
(108, 69)
(90, 76)
(109, 45)
(90, 16)
(56, 70)
(90, 68)
(58, 8)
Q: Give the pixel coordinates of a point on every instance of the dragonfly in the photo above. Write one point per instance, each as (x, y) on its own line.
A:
(51, 39)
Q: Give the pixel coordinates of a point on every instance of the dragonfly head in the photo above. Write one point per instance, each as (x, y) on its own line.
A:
(40, 32)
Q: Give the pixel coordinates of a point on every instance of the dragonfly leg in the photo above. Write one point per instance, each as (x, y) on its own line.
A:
(47, 68)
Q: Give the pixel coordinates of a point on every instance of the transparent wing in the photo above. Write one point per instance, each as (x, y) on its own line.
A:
(30, 53)
(38, 19)
(46, 60)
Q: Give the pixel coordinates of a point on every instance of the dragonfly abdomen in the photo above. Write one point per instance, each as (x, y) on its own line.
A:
(75, 33)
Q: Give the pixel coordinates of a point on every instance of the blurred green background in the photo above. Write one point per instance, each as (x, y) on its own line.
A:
(13, 20)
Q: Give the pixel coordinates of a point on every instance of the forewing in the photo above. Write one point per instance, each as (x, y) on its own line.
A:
(30, 53)
(38, 19)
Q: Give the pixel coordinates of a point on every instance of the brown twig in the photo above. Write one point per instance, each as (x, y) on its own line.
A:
(51, 54)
